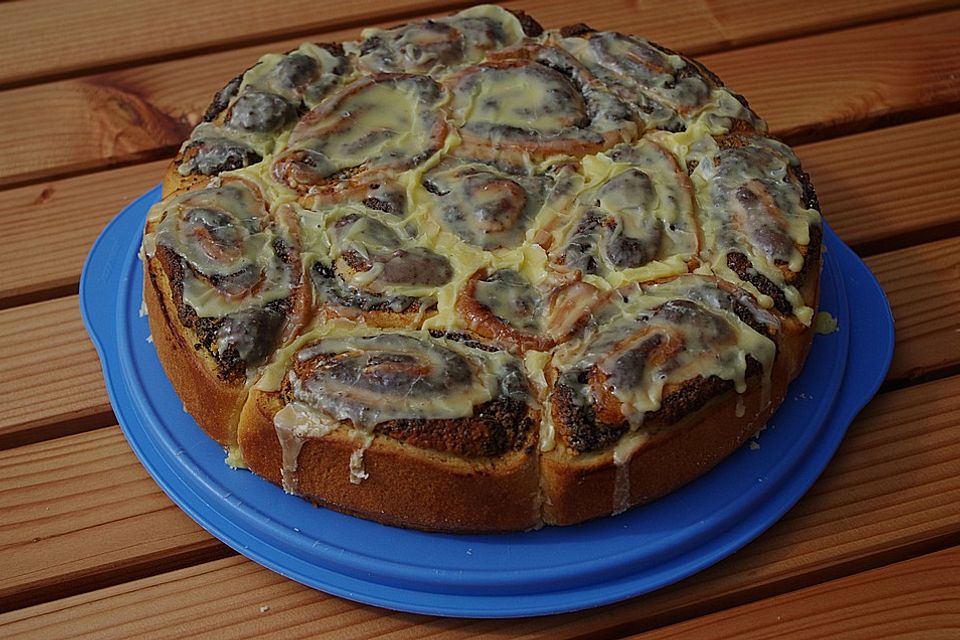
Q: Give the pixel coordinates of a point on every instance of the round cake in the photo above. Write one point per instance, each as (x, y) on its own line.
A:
(470, 275)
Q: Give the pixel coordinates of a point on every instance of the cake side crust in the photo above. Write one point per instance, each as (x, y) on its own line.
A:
(439, 492)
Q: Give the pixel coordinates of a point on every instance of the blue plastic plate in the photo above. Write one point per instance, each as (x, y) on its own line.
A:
(520, 574)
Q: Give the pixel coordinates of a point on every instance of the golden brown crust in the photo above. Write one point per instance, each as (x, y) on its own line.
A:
(438, 492)
(174, 182)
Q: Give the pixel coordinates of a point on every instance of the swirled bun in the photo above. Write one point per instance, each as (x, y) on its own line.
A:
(469, 275)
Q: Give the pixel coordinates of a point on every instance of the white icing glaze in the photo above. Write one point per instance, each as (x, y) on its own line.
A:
(688, 321)
(228, 242)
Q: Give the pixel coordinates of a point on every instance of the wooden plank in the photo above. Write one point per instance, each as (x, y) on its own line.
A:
(64, 217)
(918, 597)
(801, 86)
(892, 491)
(78, 508)
(49, 38)
(50, 379)
(905, 193)
(927, 318)
(850, 80)
(889, 188)
(746, 23)
(46, 39)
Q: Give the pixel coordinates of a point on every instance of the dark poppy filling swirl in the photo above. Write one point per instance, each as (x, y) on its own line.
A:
(234, 270)
(656, 353)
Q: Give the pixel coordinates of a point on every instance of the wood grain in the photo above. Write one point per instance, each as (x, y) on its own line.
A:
(113, 88)
(889, 188)
(913, 598)
(78, 508)
(892, 490)
(801, 86)
(50, 379)
(850, 80)
(64, 217)
(48, 38)
(927, 317)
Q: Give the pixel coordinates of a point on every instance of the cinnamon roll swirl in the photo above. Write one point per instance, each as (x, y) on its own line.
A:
(667, 91)
(634, 218)
(383, 123)
(517, 109)
(365, 397)
(659, 365)
(760, 219)
(226, 283)
(483, 205)
(466, 274)
(363, 265)
(434, 46)
(504, 306)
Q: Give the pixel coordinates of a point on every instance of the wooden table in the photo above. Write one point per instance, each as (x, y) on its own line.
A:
(95, 97)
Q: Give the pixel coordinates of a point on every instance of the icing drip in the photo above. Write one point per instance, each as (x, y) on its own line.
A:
(357, 471)
(622, 454)
(826, 324)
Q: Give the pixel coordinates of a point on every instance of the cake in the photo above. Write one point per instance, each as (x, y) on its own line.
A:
(470, 275)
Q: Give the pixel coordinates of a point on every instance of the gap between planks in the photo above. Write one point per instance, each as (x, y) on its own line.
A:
(891, 492)
(917, 596)
(50, 40)
(159, 32)
(802, 86)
